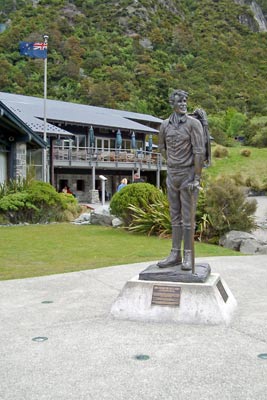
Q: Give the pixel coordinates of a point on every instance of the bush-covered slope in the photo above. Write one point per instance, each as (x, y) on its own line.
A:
(130, 54)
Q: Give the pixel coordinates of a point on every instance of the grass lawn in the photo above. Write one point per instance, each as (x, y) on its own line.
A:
(36, 250)
(254, 166)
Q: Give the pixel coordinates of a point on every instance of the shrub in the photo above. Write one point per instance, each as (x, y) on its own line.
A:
(153, 218)
(135, 194)
(245, 152)
(17, 207)
(238, 178)
(256, 132)
(228, 208)
(254, 183)
(222, 206)
(203, 219)
(38, 202)
(220, 152)
(264, 183)
(13, 186)
(217, 130)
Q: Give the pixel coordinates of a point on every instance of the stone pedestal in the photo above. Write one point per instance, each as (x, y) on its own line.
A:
(209, 303)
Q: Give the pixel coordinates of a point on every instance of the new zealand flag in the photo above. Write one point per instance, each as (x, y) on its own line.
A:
(33, 49)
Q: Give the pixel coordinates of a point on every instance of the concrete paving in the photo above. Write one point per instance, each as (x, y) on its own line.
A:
(90, 355)
(261, 211)
(261, 218)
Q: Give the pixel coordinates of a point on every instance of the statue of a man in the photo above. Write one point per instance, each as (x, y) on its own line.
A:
(182, 143)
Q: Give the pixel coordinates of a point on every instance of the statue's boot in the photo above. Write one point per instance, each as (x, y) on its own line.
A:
(175, 257)
(187, 261)
(188, 243)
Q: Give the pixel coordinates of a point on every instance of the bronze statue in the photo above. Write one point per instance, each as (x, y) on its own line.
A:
(182, 142)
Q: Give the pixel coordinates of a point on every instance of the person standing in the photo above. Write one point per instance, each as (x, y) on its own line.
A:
(182, 143)
(122, 184)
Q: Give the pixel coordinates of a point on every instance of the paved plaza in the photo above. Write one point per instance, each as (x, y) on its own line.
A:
(90, 355)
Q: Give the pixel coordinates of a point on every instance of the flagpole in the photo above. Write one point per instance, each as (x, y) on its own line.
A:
(45, 97)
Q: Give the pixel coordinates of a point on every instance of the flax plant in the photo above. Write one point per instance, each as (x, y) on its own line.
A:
(154, 219)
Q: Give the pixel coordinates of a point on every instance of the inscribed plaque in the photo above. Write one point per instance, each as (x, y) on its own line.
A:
(166, 295)
(222, 291)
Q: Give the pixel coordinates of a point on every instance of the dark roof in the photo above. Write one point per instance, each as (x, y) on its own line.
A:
(31, 110)
(13, 127)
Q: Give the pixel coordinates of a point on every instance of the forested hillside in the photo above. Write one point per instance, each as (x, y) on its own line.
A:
(130, 53)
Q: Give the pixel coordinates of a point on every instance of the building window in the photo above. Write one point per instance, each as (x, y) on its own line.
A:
(80, 141)
(80, 185)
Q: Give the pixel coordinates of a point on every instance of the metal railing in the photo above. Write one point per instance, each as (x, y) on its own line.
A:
(88, 154)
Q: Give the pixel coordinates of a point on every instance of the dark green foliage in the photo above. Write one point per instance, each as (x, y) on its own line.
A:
(227, 125)
(129, 54)
(228, 208)
(135, 194)
(13, 186)
(202, 219)
(36, 202)
(256, 133)
(153, 218)
(222, 206)
(217, 129)
(263, 4)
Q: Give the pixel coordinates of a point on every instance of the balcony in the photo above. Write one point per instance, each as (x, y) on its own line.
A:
(109, 159)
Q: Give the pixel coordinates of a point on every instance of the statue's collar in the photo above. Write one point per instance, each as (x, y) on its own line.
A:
(176, 119)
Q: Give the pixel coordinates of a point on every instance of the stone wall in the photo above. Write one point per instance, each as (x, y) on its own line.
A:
(84, 182)
(3, 165)
(19, 160)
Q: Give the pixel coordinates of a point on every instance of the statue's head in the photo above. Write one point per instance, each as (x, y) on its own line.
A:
(178, 101)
